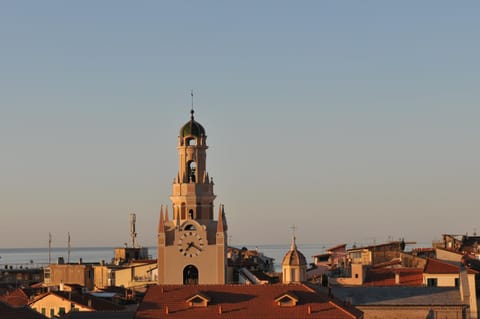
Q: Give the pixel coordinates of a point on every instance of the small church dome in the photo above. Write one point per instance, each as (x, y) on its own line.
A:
(294, 257)
(192, 128)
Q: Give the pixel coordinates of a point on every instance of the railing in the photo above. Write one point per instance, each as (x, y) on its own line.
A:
(22, 266)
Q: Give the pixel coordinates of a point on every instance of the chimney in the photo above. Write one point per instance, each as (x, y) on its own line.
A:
(397, 278)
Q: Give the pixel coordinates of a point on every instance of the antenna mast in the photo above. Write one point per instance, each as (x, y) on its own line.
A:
(49, 248)
(133, 234)
(68, 256)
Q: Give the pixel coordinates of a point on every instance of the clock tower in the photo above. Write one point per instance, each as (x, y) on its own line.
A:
(192, 244)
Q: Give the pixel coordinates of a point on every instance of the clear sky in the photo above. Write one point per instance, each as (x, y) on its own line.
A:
(357, 121)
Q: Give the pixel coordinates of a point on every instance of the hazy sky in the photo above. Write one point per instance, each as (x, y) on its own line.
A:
(357, 121)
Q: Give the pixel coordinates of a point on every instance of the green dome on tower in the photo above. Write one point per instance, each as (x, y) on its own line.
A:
(192, 128)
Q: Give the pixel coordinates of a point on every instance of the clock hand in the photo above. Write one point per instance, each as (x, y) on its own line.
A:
(195, 246)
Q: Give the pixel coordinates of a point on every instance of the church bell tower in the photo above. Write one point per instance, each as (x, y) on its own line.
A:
(192, 194)
(192, 244)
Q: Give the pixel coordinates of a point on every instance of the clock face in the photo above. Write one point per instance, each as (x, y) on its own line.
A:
(190, 244)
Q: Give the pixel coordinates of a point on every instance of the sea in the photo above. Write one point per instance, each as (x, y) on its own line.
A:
(39, 257)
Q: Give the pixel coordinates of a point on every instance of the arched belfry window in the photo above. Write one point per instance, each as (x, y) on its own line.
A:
(191, 141)
(192, 169)
(182, 210)
(190, 227)
(190, 275)
(190, 214)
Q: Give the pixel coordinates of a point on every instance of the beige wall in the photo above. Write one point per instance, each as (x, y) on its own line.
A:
(443, 280)
(206, 264)
(133, 275)
(126, 276)
(473, 297)
(293, 274)
(101, 276)
(448, 256)
(55, 302)
(468, 292)
(358, 275)
(361, 256)
(80, 274)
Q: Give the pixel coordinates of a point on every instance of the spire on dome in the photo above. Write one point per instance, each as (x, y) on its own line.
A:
(293, 246)
(161, 224)
(220, 219)
(191, 110)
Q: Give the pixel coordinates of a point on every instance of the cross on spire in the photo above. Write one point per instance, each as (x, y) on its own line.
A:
(294, 245)
(293, 228)
(191, 110)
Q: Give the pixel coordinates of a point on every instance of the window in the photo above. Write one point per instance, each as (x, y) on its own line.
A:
(52, 313)
(287, 300)
(192, 168)
(432, 282)
(44, 311)
(190, 275)
(61, 311)
(190, 226)
(457, 282)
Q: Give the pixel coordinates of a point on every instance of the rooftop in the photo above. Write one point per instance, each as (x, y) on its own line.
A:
(395, 296)
(239, 301)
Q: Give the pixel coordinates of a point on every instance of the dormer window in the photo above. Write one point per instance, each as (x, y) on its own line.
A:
(287, 300)
(198, 300)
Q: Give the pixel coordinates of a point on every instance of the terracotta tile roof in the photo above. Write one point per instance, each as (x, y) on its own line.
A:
(386, 277)
(263, 276)
(98, 315)
(142, 262)
(85, 300)
(15, 298)
(9, 312)
(333, 250)
(420, 249)
(239, 301)
(393, 262)
(344, 246)
(392, 243)
(91, 301)
(435, 266)
(322, 255)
